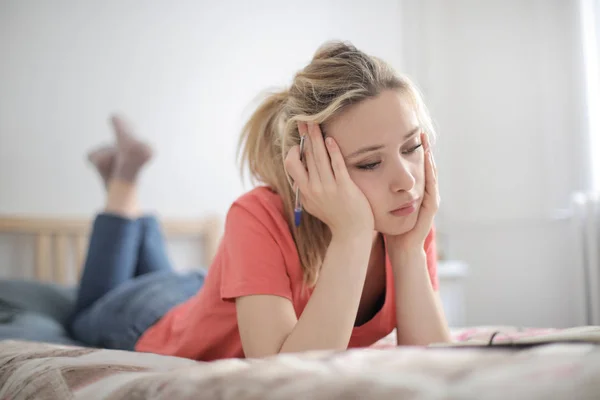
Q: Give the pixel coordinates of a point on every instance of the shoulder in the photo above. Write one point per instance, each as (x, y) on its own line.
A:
(260, 208)
(261, 199)
(256, 245)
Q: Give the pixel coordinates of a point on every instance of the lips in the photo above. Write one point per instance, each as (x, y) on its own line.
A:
(406, 208)
(410, 203)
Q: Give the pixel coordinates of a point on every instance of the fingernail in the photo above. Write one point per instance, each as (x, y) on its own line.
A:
(302, 128)
(329, 142)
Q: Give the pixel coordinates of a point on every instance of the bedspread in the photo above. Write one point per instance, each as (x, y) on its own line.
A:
(31, 370)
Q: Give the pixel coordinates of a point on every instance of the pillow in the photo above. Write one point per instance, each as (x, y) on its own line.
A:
(30, 326)
(7, 311)
(51, 300)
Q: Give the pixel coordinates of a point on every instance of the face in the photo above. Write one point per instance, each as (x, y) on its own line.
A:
(381, 144)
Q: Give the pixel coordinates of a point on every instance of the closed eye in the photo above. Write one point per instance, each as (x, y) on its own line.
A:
(373, 165)
(412, 149)
(369, 166)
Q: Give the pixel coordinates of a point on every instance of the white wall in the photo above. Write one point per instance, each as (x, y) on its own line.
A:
(503, 80)
(186, 72)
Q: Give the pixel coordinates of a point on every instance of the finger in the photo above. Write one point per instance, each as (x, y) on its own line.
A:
(430, 180)
(425, 141)
(320, 154)
(302, 129)
(435, 172)
(436, 181)
(303, 132)
(309, 159)
(337, 160)
(428, 150)
(306, 157)
(295, 169)
(427, 147)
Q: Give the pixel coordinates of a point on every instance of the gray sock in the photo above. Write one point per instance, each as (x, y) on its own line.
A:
(132, 154)
(103, 158)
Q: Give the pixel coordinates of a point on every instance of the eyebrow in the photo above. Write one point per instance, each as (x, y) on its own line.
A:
(369, 149)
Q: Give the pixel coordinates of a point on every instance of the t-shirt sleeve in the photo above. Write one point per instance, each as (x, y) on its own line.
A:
(253, 262)
(431, 252)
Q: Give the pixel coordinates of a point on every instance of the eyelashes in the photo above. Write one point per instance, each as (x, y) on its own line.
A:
(369, 166)
(413, 149)
(373, 165)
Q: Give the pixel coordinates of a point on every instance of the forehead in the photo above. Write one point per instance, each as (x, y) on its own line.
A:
(383, 119)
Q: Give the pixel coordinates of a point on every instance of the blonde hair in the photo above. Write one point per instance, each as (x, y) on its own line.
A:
(338, 76)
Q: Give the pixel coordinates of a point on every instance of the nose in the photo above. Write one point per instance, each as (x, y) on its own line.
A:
(400, 177)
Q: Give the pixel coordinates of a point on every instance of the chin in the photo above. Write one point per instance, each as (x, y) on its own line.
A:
(391, 225)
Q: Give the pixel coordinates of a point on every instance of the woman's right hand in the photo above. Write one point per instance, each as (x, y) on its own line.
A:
(326, 189)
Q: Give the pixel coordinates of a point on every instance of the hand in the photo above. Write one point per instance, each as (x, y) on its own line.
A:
(414, 240)
(326, 189)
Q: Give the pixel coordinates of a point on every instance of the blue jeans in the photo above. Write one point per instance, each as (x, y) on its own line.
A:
(128, 283)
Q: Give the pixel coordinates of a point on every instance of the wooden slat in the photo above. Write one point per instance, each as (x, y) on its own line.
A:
(51, 263)
(24, 224)
(45, 225)
(43, 267)
(61, 267)
(211, 240)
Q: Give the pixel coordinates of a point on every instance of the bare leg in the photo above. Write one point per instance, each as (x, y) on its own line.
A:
(122, 199)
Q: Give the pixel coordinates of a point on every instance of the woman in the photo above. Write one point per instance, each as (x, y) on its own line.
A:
(361, 262)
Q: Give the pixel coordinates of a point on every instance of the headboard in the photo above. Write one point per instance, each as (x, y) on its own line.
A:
(59, 239)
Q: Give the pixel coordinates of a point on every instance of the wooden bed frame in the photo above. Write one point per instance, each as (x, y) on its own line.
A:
(58, 240)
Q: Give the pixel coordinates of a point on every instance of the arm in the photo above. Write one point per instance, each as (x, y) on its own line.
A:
(268, 324)
(420, 318)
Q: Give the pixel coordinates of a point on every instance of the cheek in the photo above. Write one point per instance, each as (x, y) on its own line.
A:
(419, 174)
(416, 169)
(370, 184)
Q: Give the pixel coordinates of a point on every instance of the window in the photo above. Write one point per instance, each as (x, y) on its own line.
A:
(590, 14)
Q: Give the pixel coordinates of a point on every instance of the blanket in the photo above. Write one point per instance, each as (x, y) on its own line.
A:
(32, 370)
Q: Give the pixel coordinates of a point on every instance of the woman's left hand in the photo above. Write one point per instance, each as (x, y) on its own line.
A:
(414, 240)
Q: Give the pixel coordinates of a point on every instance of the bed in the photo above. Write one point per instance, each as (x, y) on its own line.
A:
(35, 306)
(38, 359)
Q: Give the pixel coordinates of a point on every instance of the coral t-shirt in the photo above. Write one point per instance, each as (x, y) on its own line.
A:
(257, 255)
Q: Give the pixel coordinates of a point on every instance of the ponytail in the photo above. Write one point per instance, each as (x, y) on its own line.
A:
(264, 141)
(260, 142)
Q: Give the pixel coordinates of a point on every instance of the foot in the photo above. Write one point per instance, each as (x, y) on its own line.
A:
(131, 154)
(103, 158)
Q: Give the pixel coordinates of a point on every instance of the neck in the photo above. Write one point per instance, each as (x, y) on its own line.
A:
(377, 251)
(377, 242)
